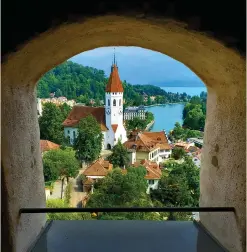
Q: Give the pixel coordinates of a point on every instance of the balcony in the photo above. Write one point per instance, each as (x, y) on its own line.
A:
(126, 235)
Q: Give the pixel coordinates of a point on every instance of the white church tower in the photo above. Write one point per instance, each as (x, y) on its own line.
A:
(114, 109)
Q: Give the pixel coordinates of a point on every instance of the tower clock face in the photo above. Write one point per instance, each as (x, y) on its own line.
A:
(108, 111)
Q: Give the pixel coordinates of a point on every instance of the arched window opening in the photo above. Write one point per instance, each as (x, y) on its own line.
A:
(114, 102)
(109, 103)
(120, 102)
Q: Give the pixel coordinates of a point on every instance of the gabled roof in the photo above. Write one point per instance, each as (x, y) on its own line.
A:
(47, 145)
(147, 141)
(79, 112)
(98, 168)
(114, 83)
(153, 170)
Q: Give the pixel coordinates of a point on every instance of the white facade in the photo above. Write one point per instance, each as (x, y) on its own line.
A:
(114, 119)
(114, 123)
(131, 112)
(152, 184)
(154, 156)
(164, 154)
(39, 107)
(71, 133)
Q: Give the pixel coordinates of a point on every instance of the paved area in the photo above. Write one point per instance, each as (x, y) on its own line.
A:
(56, 194)
(77, 194)
(105, 153)
(122, 236)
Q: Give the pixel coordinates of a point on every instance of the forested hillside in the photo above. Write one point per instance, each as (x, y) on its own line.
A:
(83, 83)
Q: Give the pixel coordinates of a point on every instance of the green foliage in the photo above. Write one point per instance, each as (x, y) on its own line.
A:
(84, 83)
(194, 112)
(180, 133)
(179, 185)
(88, 143)
(118, 190)
(149, 117)
(119, 156)
(178, 153)
(67, 193)
(60, 163)
(136, 123)
(50, 123)
(59, 203)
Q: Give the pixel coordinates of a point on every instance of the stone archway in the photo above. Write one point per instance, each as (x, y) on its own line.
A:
(108, 146)
(221, 69)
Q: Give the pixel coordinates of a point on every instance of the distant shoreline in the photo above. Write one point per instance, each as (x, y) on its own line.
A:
(153, 105)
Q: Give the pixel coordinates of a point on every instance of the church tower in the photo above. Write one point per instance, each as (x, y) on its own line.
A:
(114, 108)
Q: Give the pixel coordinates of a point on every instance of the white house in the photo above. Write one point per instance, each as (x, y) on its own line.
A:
(39, 107)
(153, 174)
(109, 117)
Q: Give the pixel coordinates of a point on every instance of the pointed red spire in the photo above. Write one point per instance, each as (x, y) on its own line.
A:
(114, 83)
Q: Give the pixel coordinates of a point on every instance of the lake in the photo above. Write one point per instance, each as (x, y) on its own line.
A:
(188, 90)
(166, 116)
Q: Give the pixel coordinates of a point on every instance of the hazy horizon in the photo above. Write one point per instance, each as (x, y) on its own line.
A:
(140, 66)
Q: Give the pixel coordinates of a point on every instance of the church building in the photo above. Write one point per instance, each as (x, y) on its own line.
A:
(110, 117)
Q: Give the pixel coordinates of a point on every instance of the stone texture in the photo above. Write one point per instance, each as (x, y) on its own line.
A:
(220, 68)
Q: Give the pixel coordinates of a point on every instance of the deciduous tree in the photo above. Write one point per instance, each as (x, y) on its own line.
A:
(88, 143)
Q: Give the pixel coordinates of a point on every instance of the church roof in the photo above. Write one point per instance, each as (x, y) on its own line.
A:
(114, 83)
(79, 112)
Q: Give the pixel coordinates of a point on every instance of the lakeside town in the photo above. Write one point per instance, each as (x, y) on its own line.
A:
(104, 143)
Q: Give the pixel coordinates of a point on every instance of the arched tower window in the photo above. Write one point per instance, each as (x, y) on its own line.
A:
(114, 102)
(120, 102)
(109, 103)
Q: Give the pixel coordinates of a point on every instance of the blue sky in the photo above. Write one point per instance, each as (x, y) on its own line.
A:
(139, 66)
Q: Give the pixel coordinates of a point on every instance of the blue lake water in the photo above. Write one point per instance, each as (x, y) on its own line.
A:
(188, 90)
(166, 116)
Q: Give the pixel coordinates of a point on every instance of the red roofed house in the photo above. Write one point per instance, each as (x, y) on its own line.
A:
(153, 173)
(46, 145)
(109, 117)
(152, 146)
(97, 170)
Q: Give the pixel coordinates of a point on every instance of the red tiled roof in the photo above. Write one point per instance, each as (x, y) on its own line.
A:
(147, 141)
(79, 112)
(46, 145)
(153, 170)
(114, 83)
(114, 127)
(98, 168)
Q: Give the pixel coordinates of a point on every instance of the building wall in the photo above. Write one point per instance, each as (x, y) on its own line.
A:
(70, 132)
(154, 186)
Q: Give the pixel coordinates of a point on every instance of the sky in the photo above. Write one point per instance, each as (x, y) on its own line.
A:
(139, 66)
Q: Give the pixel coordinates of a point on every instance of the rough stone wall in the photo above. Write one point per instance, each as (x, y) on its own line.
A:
(221, 69)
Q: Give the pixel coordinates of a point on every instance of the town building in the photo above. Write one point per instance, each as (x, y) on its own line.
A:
(109, 117)
(152, 146)
(46, 145)
(97, 170)
(131, 112)
(153, 173)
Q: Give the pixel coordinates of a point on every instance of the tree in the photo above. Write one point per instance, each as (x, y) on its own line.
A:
(119, 156)
(88, 143)
(60, 163)
(178, 153)
(179, 186)
(195, 119)
(65, 110)
(59, 203)
(50, 123)
(136, 123)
